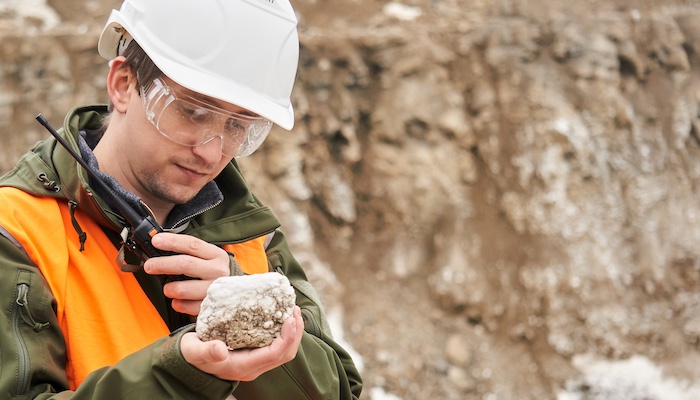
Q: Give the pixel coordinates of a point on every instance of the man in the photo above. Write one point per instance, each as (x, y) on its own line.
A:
(192, 85)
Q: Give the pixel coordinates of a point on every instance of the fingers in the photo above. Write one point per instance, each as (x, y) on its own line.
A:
(188, 265)
(284, 348)
(187, 295)
(189, 307)
(185, 244)
(290, 336)
(186, 290)
(196, 258)
(197, 352)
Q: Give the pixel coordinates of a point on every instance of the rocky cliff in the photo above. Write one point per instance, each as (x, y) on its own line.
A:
(497, 199)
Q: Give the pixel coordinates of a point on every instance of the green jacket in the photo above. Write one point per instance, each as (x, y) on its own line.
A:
(321, 370)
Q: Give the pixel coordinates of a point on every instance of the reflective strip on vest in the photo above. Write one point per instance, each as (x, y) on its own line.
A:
(103, 312)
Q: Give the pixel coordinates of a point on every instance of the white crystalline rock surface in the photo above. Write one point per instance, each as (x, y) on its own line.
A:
(246, 311)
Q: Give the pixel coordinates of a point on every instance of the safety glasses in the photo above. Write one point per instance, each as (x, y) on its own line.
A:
(191, 122)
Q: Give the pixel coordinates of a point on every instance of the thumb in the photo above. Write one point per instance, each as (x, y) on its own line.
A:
(196, 351)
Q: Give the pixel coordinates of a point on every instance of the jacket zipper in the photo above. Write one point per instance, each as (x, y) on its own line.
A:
(182, 220)
(22, 352)
(21, 314)
(175, 228)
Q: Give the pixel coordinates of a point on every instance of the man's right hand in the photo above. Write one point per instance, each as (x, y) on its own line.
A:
(215, 358)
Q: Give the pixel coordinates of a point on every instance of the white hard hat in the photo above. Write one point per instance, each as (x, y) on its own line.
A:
(243, 52)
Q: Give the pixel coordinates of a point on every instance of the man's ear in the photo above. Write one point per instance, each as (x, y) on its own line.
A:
(119, 83)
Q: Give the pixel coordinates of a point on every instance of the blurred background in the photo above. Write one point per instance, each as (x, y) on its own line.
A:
(497, 199)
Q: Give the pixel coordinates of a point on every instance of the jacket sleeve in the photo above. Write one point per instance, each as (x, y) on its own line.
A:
(33, 350)
(322, 369)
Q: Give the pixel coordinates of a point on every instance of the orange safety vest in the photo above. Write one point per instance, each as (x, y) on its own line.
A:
(103, 312)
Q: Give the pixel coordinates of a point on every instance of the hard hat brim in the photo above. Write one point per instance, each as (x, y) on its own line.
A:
(228, 91)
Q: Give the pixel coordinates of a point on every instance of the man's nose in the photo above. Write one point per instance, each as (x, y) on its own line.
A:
(210, 150)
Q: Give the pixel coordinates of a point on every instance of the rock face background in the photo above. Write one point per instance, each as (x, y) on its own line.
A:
(496, 199)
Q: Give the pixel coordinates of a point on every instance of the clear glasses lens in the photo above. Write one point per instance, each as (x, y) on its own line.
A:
(191, 122)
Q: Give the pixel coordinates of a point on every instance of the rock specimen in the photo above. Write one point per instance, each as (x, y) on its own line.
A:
(246, 311)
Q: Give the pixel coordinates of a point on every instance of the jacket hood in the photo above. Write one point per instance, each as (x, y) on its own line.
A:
(48, 170)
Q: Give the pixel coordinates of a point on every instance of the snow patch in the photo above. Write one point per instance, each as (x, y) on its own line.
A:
(636, 378)
(402, 11)
(377, 393)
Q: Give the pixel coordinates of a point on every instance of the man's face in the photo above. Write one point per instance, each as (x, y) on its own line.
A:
(164, 172)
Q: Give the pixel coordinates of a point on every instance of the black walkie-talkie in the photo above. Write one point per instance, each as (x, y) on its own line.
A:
(143, 227)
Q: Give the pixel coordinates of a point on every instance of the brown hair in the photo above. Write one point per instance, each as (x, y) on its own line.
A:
(141, 66)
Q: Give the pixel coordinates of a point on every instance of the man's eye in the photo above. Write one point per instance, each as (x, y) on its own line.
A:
(195, 114)
(233, 126)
